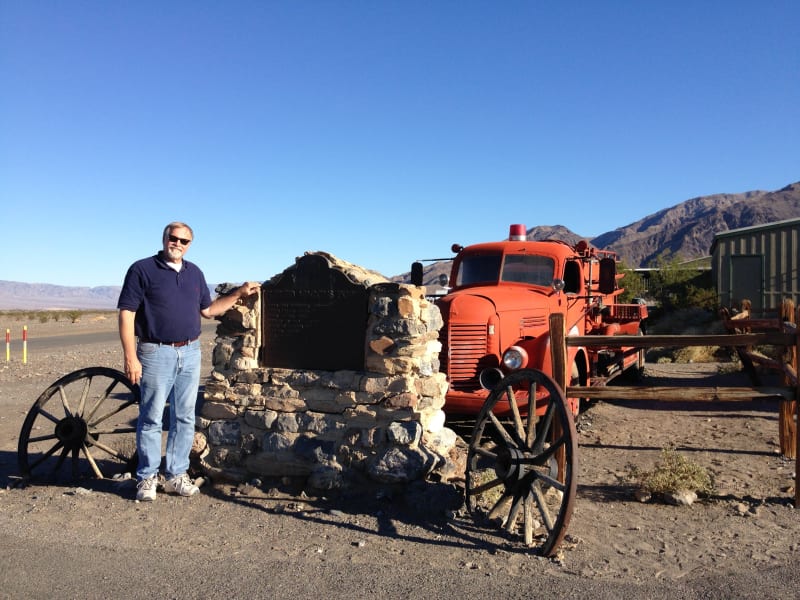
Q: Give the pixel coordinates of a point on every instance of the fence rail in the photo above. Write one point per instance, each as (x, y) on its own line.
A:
(780, 333)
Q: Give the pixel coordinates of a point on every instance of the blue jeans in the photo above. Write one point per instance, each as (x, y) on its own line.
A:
(172, 374)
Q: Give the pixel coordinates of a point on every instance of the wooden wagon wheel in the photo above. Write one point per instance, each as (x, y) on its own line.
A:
(84, 423)
(521, 470)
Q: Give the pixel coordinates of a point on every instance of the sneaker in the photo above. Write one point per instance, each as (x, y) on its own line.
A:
(181, 485)
(146, 489)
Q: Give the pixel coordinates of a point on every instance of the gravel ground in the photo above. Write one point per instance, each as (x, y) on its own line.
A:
(92, 539)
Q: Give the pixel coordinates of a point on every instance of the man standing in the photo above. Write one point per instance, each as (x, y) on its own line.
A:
(162, 300)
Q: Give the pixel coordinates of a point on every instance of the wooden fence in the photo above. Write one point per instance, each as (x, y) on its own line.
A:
(788, 392)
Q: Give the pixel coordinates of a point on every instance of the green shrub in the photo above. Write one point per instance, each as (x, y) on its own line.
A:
(673, 474)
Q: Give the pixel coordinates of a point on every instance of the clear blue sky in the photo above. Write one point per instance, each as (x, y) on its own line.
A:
(379, 131)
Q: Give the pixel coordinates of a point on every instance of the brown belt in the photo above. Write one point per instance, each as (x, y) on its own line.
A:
(173, 344)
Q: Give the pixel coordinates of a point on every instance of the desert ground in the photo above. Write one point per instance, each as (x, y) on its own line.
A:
(92, 539)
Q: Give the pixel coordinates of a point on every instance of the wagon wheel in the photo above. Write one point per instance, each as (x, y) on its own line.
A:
(521, 470)
(84, 423)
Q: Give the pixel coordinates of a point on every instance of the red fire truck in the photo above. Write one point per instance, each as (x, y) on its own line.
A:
(496, 315)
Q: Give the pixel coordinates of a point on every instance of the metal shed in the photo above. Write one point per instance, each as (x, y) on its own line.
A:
(758, 263)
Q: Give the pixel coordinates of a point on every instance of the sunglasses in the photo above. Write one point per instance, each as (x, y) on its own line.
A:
(183, 241)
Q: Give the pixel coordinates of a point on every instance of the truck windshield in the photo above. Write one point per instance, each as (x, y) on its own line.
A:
(517, 268)
(529, 268)
(479, 268)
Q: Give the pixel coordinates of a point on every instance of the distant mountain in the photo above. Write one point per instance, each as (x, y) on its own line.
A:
(684, 231)
(43, 296)
(687, 230)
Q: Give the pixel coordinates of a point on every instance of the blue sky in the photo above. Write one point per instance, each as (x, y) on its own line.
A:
(379, 131)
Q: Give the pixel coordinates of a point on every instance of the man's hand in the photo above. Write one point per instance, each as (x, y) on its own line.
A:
(248, 288)
(224, 303)
(133, 369)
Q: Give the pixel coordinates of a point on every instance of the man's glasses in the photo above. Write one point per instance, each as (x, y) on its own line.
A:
(183, 241)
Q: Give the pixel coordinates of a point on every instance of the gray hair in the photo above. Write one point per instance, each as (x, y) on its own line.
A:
(175, 225)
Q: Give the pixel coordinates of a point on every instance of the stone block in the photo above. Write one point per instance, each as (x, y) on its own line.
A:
(382, 345)
(400, 465)
(225, 433)
(262, 419)
(278, 464)
(276, 442)
(405, 400)
(432, 420)
(408, 307)
(219, 410)
(284, 405)
(406, 433)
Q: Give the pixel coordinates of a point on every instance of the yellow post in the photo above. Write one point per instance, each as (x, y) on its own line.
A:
(24, 344)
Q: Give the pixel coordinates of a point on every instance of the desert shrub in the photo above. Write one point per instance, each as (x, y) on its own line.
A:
(74, 316)
(673, 473)
(43, 317)
(674, 286)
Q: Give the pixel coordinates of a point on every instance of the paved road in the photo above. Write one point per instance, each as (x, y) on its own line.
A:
(95, 337)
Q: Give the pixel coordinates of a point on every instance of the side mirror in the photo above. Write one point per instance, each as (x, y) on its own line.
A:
(416, 273)
(608, 275)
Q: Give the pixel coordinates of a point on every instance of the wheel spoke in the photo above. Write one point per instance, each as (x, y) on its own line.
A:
(110, 414)
(541, 504)
(46, 414)
(512, 402)
(507, 438)
(485, 452)
(544, 428)
(513, 513)
(82, 403)
(530, 433)
(105, 448)
(64, 401)
(485, 487)
(92, 462)
(528, 520)
(100, 400)
(48, 454)
(500, 507)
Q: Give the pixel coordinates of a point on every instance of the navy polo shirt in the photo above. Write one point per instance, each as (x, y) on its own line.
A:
(167, 303)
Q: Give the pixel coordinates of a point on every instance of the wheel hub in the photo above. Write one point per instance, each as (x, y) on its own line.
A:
(71, 431)
(509, 466)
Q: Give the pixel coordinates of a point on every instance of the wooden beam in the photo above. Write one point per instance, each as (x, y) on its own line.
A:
(682, 394)
(659, 341)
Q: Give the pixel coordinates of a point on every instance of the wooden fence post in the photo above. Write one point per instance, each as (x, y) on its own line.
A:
(558, 358)
(797, 413)
(787, 429)
(558, 349)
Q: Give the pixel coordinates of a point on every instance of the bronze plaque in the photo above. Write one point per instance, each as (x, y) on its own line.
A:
(313, 317)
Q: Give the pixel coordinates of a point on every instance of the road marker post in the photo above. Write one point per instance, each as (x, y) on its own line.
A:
(24, 344)
(8, 345)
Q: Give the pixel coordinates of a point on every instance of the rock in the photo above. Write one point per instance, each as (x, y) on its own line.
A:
(680, 497)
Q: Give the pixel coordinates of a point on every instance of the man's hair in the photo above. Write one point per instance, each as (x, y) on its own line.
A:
(175, 225)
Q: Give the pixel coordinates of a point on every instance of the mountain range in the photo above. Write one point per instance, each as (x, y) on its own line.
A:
(684, 232)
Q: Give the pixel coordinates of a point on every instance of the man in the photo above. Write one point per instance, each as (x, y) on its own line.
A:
(162, 300)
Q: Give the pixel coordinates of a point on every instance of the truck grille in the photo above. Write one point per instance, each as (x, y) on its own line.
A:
(465, 355)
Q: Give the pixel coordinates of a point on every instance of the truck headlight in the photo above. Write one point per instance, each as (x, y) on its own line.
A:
(515, 358)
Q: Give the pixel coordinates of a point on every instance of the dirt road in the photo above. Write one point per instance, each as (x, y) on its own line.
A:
(92, 540)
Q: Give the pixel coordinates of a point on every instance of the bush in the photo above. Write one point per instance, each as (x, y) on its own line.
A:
(674, 473)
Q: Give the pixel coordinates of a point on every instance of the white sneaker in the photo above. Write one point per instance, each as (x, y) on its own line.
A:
(181, 485)
(146, 489)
